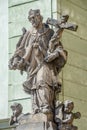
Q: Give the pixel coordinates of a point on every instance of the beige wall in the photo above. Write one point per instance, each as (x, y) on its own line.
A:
(74, 74)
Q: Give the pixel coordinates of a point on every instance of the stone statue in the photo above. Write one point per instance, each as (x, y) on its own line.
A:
(17, 113)
(40, 53)
(31, 55)
(64, 116)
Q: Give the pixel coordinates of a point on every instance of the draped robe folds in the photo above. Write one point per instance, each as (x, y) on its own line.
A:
(40, 75)
(41, 81)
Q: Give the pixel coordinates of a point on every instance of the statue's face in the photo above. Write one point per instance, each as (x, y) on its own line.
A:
(16, 111)
(35, 20)
(68, 107)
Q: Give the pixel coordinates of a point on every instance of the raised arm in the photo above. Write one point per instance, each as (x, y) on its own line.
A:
(69, 119)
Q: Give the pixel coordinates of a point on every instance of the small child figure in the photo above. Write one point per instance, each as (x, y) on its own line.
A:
(17, 113)
(69, 116)
(66, 123)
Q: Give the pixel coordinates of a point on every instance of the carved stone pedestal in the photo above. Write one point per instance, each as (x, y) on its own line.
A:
(35, 122)
(36, 126)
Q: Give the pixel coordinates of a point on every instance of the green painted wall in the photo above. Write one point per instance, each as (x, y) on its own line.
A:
(3, 59)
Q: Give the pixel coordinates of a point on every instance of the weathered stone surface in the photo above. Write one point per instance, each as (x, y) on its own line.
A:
(36, 126)
(37, 121)
(39, 117)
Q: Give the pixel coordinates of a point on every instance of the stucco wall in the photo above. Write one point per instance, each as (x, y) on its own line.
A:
(74, 74)
(3, 58)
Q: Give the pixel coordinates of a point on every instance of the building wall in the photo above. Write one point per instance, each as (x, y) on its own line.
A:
(3, 59)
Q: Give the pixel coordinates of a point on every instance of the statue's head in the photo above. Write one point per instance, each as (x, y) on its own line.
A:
(16, 109)
(35, 17)
(64, 18)
(68, 106)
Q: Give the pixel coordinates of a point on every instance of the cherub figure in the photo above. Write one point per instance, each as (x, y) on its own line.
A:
(66, 120)
(17, 113)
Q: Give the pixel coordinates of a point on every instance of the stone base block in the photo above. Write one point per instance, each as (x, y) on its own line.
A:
(36, 122)
(37, 126)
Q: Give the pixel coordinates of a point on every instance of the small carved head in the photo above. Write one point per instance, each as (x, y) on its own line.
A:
(16, 109)
(35, 18)
(68, 106)
(64, 18)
